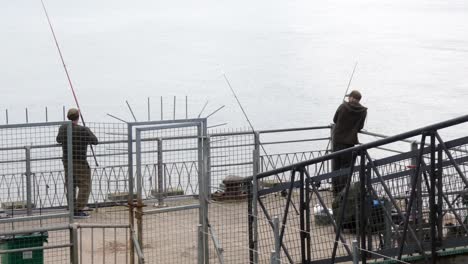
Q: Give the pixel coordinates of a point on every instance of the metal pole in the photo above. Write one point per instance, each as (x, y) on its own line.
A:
(130, 190)
(276, 230)
(186, 107)
(149, 110)
(302, 218)
(432, 199)
(174, 107)
(74, 248)
(6, 116)
(63, 113)
(139, 182)
(355, 252)
(162, 108)
(204, 130)
(273, 257)
(200, 244)
(256, 170)
(417, 213)
(208, 166)
(71, 194)
(364, 206)
(202, 258)
(131, 111)
(27, 116)
(69, 162)
(160, 174)
(46, 115)
(28, 181)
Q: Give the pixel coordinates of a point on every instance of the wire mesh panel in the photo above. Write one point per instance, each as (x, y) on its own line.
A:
(231, 161)
(102, 245)
(108, 169)
(171, 237)
(169, 170)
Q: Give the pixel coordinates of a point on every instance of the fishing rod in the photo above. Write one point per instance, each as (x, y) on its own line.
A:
(344, 96)
(66, 72)
(253, 130)
(349, 82)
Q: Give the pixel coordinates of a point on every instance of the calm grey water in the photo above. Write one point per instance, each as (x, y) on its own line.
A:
(289, 61)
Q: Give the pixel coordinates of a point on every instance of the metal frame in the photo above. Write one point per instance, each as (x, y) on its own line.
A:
(201, 125)
(432, 178)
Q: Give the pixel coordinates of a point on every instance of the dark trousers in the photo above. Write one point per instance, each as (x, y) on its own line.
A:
(340, 162)
(81, 180)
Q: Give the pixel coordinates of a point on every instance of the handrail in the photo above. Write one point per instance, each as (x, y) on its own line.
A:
(378, 143)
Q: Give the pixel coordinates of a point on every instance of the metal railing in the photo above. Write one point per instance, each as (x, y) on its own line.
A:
(393, 206)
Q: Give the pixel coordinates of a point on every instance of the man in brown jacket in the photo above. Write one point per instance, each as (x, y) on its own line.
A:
(81, 138)
(349, 120)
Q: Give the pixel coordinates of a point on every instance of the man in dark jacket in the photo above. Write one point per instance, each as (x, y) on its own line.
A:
(349, 120)
(81, 138)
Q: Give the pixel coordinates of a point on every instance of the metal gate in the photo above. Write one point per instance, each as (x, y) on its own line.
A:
(171, 181)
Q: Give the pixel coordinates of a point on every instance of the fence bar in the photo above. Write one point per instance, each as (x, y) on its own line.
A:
(432, 199)
(412, 196)
(364, 206)
(141, 256)
(28, 181)
(276, 230)
(8, 251)
(149, 110)
(160, 173)
(355, 252)
(200, 244)
(139, 182)
(302, 215)
(343, 206)
(74, 249)
(130, 189)
(33, 218)
(256, 170)
(71, 177)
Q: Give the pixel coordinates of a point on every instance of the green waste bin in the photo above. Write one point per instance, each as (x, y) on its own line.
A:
(23, 241)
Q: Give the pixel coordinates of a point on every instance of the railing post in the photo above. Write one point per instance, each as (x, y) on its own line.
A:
(416, 213)
(74, 248)
(139, 182)
(302, 217)
(206, 190)
(363, 206)
(273, 257)
(256, 170)
(160, 173)
(71, 194)
(276, 230)
(130, 190)
(28, 181)
(355, 252)
(432, 199)
(200, 244)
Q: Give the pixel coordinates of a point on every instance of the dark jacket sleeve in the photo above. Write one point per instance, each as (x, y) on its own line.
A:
(92, 139)
(362, 121)
(62, 135)
(337, 113)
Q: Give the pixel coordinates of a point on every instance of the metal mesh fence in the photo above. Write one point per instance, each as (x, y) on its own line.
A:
(102, 245)
(169, 170)
(433, 204)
